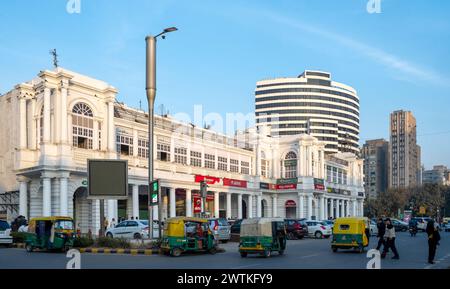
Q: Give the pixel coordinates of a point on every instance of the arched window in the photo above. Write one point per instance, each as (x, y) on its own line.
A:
(290, 165)
(82, 126)
(264, 165)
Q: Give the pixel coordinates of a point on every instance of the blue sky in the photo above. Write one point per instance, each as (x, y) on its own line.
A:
(398, 59)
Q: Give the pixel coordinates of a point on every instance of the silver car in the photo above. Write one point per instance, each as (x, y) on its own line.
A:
(220, 229)
(132, 229)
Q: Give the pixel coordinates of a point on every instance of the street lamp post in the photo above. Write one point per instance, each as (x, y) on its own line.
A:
(151, 94)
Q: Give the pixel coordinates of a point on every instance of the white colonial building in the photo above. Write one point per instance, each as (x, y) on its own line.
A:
(53, 124)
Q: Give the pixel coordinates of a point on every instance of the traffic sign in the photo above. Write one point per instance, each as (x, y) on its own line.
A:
(154, 193)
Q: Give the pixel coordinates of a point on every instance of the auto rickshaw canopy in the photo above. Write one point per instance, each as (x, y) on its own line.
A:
(258, 227)
(352, 225)
(53, 219)
(175, 227)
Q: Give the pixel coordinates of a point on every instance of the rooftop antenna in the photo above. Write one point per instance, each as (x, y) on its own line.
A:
(55, 57)
(140, 104)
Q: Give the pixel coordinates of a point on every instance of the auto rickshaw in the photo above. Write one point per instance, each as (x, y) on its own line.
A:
(262, 236)
(351, 233)
(50, 233)
(185, 234)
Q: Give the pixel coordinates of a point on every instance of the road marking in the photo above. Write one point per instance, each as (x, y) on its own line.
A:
(309, 256)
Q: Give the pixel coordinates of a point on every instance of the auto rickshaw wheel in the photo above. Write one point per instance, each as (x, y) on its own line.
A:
(213, 250)
(281, 252)
(175, 252)
(243, 254)
(29, 248)
(335, 249)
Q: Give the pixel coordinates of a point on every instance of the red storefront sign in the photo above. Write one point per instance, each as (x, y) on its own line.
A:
(197, 205)
(234, 183)
(208, 197)
(287, 187)
(209, 180)
(291, 204)
(319, 187)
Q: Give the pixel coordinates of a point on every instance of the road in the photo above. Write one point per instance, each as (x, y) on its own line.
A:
(301, 254)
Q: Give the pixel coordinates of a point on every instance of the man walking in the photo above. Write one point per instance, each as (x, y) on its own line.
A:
(381, 231)
(390, 240)
(433, 240)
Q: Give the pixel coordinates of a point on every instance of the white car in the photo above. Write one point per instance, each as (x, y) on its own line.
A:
(373, 229)
(133, 229)
(5, 233)
(318, 229)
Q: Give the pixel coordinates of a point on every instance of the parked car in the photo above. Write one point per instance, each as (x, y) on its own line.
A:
(447, 227)
(133, 229)
(421, 222)
(236, 227)
(400, 226)
(296, 229)
(220, 229)
(5, 233)
(318, 229)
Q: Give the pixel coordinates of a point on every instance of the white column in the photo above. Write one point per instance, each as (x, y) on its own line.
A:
(229, 206)
(46, 136)
(309, 207)
(172, 198)
(342, 209)
(23, 123)
(216, 204)
(63, 183)
(23, 199)
(361, 212)
(135, 198)
(46, 197)
(111, 128)
(188, 203)
(112, 211)
(353, 208)
(322, 208)
(274, 206)
(325, 203)
(258, 206)
(239, 206)
(64, 135)
(301, 206)
(250, 207)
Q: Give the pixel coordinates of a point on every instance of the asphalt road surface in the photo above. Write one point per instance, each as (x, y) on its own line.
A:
(301, 254)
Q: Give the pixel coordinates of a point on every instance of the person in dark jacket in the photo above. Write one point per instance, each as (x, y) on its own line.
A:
(433, 240)
(381, 231)
(390, 241)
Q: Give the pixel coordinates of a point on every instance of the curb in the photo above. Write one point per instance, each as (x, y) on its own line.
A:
(18, 245)
(120, 251)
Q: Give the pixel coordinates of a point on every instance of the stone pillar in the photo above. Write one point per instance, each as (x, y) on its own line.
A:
(301, 206)
(342, 209)
(63, 102)
(361, 208)
(258, 206)
(325, 202)
(46, 196)
(63, 200)
(216, 204)
(239, 200)
(309, 207)
(47, 111)
(188, 203)
(322, 208)
(135, 198)
(23, 197)
(112, 211)
(173, 203)
(274, 206)
(250, 207)
(23, 123)
(111, 128)
(229, 206)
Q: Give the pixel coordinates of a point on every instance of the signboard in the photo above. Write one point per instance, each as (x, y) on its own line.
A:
(154, 193)
(267, 186)
(234, 183)
(209, 197)
(319, 184)
(209, 180)
(197, 205)
(290, 163)
(422, 210)
(287, 181)
(287, 187)
(291, 204)
(84, 183)
(107, 179)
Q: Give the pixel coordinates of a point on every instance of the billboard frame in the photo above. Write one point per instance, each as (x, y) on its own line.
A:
(106, 197)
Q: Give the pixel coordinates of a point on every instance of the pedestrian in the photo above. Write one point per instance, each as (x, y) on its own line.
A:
(390, 240)
(113, 223)
(381, 231)
(433, 240)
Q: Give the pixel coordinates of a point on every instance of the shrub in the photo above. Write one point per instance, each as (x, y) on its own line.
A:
(83, 242)
(18, 237)
(106, 242)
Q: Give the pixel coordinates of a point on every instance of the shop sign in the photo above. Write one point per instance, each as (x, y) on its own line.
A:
(197, 205)
(291, 204)
(209, 197)
(267, 186)
(319, 184)
(287, 181)
(234, 183)
(209, 180)
(287, 187)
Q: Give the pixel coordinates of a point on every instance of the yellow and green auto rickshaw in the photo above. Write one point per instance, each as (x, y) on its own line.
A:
(185, 234)
(350, 233)
(50, 233)
(262, 236)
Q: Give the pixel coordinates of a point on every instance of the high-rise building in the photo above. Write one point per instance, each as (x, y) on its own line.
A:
(438, 175)
(375, 154)
(310, 104)
(404, 160)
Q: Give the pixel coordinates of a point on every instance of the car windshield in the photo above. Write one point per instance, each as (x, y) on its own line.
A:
(4, 226)
(144, 222)
(64, 225)
(222, 222)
